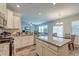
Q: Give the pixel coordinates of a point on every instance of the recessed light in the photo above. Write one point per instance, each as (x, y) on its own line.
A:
(54, 3)
(39, 13)
(59, 23)
(18, 5)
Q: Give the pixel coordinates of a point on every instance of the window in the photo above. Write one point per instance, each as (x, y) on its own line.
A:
(43, 30)
(75, 27)
(40, 28)
(58, 29)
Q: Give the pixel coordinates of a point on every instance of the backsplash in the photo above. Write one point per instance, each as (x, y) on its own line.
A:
(1, 30)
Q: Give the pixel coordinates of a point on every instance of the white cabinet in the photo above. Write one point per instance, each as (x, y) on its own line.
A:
(46, 49)
(9, 19)
(2, 14)
(18, 42)
(3, 8)
(13, 21)
(76, 41)
(39, 48)
(48, 52)
(4, 49)
(23, 41)
(16, 21)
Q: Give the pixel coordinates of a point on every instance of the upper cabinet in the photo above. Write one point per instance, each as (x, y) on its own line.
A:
(9, 19)
(3, 8)
(3, 15)
(13, 20)
(16, 21)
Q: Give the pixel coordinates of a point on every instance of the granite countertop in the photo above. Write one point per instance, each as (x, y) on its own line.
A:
(22, 35)
(55, 41)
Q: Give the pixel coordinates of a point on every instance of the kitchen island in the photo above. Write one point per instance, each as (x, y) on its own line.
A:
(23, 41)
(44, 47)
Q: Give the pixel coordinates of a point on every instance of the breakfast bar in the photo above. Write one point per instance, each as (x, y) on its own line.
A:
(55, 47)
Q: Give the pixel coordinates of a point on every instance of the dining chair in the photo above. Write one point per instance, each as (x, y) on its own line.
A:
(72, 38)
(55, 34)
(72, 41)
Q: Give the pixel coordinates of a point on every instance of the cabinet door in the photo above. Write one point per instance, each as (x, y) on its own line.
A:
(28, 40)
(49, 52)
(3, 8)
(25, 41)
(2, 13)
(16, 21)
(9, 19)
(4, 49)
(46, 51)
(18, 42)
(39, 48)
(31, 40)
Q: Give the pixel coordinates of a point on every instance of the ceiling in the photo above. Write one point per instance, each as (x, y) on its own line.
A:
(38, 13)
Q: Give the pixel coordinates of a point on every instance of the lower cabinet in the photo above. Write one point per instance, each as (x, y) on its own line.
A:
(42, 49)
(45, 49)
(23, 41)
(48, 52)
(39, 48)
(4, 49)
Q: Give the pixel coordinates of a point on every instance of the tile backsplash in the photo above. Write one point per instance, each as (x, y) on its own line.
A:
(1, 30)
